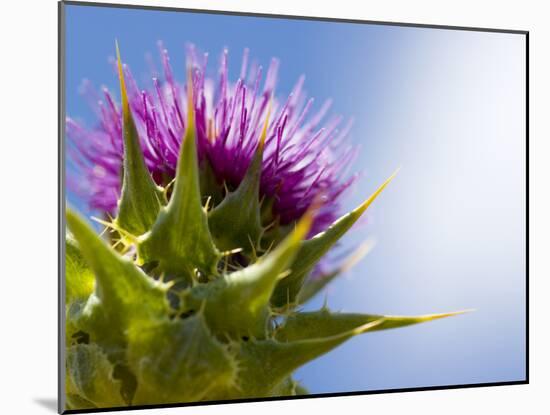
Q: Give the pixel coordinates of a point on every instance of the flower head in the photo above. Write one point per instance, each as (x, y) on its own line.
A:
(302, 160)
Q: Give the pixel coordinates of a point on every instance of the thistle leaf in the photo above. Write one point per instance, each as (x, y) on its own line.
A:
(237, 304)
(323, 323)
(126, 295)
(79, 278)
(300, 389)
(236, 221)
(289, 387)
(313, 286)
(79, 287)
(312, 250)
(90, 377)
(140, 199)
(178, 361)
(180, 239)
(89, 323)
(272, 361)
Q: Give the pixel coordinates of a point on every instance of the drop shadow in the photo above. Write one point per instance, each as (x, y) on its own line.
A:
(48, 403)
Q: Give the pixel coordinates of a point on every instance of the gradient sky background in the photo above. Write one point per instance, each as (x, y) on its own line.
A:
(446, 106)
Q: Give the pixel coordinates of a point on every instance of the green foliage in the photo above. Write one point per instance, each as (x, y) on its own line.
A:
(179, 240)
(79, 278)
(312, 250)
(90, 378)
(242, 297)
(188, 305)
(244, 230)
(267, 363)
(141, 199)
(313, 286)
(178, 360)
(323, 323)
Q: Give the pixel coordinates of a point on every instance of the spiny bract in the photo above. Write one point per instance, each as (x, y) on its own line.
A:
(197, 301)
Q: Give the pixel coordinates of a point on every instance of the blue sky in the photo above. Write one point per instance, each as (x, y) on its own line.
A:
(446, 106)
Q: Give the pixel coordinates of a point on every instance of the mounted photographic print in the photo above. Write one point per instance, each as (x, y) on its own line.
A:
(258, 207)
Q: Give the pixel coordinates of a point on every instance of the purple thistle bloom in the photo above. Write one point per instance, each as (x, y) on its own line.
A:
(302, 161)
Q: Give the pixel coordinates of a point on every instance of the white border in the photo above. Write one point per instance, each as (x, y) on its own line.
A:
(28, 94)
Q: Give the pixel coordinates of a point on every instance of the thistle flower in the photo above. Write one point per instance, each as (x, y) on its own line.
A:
(302, 160)
(197, 297)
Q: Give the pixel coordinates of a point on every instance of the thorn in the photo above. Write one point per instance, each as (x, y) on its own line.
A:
(368, 326)
(253, 248)
(114, 226)
(117, 243)
(165, 190)
(325, 303)
(225, 264)
(371, 198)
(231, 252)
(357, 255)
(269, 248)
(225, 188)
(262, 200)
(167, 285)
(102, 233)
(270, 225)
(207, 204)
(284, 274)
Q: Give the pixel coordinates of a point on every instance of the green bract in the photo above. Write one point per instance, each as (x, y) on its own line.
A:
(192, 304)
